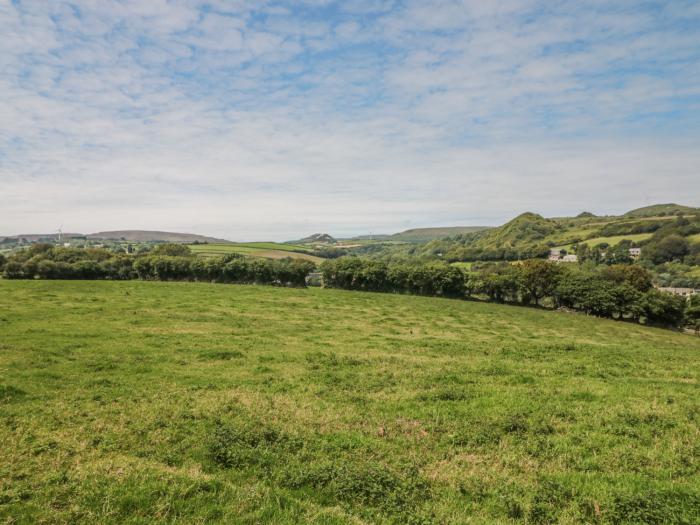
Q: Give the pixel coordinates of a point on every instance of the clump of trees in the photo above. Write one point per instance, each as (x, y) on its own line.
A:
(166, 262)
(434, 278)
(618, 291)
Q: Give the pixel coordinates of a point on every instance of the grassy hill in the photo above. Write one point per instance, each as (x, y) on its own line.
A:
(428, 234)
(530, 234)
(151, 236)
(526, 228)
(662, 209)
(196, 403)
(127, 235)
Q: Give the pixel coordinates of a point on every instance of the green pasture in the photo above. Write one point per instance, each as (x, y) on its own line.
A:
(271, 250)
(152, 402)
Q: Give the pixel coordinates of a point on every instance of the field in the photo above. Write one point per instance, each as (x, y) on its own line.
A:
(144, 402)
(613, 240)
(269, 250)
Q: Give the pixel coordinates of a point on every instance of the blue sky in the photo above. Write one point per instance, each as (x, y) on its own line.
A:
(271, 120)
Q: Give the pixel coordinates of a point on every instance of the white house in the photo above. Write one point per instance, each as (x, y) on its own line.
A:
(683, 292)
(635, 252)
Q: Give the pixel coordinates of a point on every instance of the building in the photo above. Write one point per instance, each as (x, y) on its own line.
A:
(683, 292)
(571, 258)
(635, 253)
(554, 255)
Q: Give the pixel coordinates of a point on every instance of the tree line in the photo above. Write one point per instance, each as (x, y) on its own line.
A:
(616, 291)
(623, 292)
(166, 262)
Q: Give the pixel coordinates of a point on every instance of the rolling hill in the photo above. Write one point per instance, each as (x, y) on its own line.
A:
(428, 234)
(118, 235)
(151, 236)
(656, 210)
(531, 235)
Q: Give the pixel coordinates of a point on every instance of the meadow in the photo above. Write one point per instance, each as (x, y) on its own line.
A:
(269, 250)
(151, 402)
(612, 240)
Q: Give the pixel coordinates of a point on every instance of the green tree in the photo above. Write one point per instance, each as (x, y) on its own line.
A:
(537, 279)
(668, 248)
(636, 276)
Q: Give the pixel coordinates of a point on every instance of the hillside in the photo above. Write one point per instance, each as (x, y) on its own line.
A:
(316, 238)
(36, 237)
(127, 235)
(428, 234)
(177, 402)
(151, 236)
(662, 209)
(531, 235)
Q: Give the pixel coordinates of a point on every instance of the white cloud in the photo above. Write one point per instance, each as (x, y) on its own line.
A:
(257, 119)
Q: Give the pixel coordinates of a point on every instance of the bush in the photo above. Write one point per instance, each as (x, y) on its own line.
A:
(661, 308)
(13, 270)
(434, 279)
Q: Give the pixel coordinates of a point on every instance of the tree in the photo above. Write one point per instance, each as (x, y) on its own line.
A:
(537, 279)
(498, 282)
(13, 270)
(663, 308)
(618, 254)
(636, 276)
(668, 248)
(692, 313)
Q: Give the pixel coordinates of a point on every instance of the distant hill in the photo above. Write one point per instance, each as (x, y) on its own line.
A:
(660, 210)
(428, 234)
(531, 234)
(35, 237)
(152, 236)
(316, 238)
(127, 235)
(526, 229)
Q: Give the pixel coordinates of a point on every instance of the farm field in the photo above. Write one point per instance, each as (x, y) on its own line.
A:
(270, 250)
(150, 402)
(613, 240)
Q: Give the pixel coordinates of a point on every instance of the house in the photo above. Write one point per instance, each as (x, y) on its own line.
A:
(554, 254)
(683, 292)
(635, 253)
(570, 258)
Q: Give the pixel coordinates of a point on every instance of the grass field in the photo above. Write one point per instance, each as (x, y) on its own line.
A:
(613, 240)
(270, 250)
(464, 265)
(143, 402)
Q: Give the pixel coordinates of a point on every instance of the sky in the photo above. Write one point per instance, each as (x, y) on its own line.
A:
(272, 120)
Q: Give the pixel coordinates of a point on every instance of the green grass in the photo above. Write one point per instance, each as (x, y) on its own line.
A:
(270, 250)
(694, 238)
(613, 240)
(143, 402)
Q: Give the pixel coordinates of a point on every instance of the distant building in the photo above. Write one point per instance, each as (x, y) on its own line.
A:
(635, 253)
(570, 258)
(554, 255)
(683, 292)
